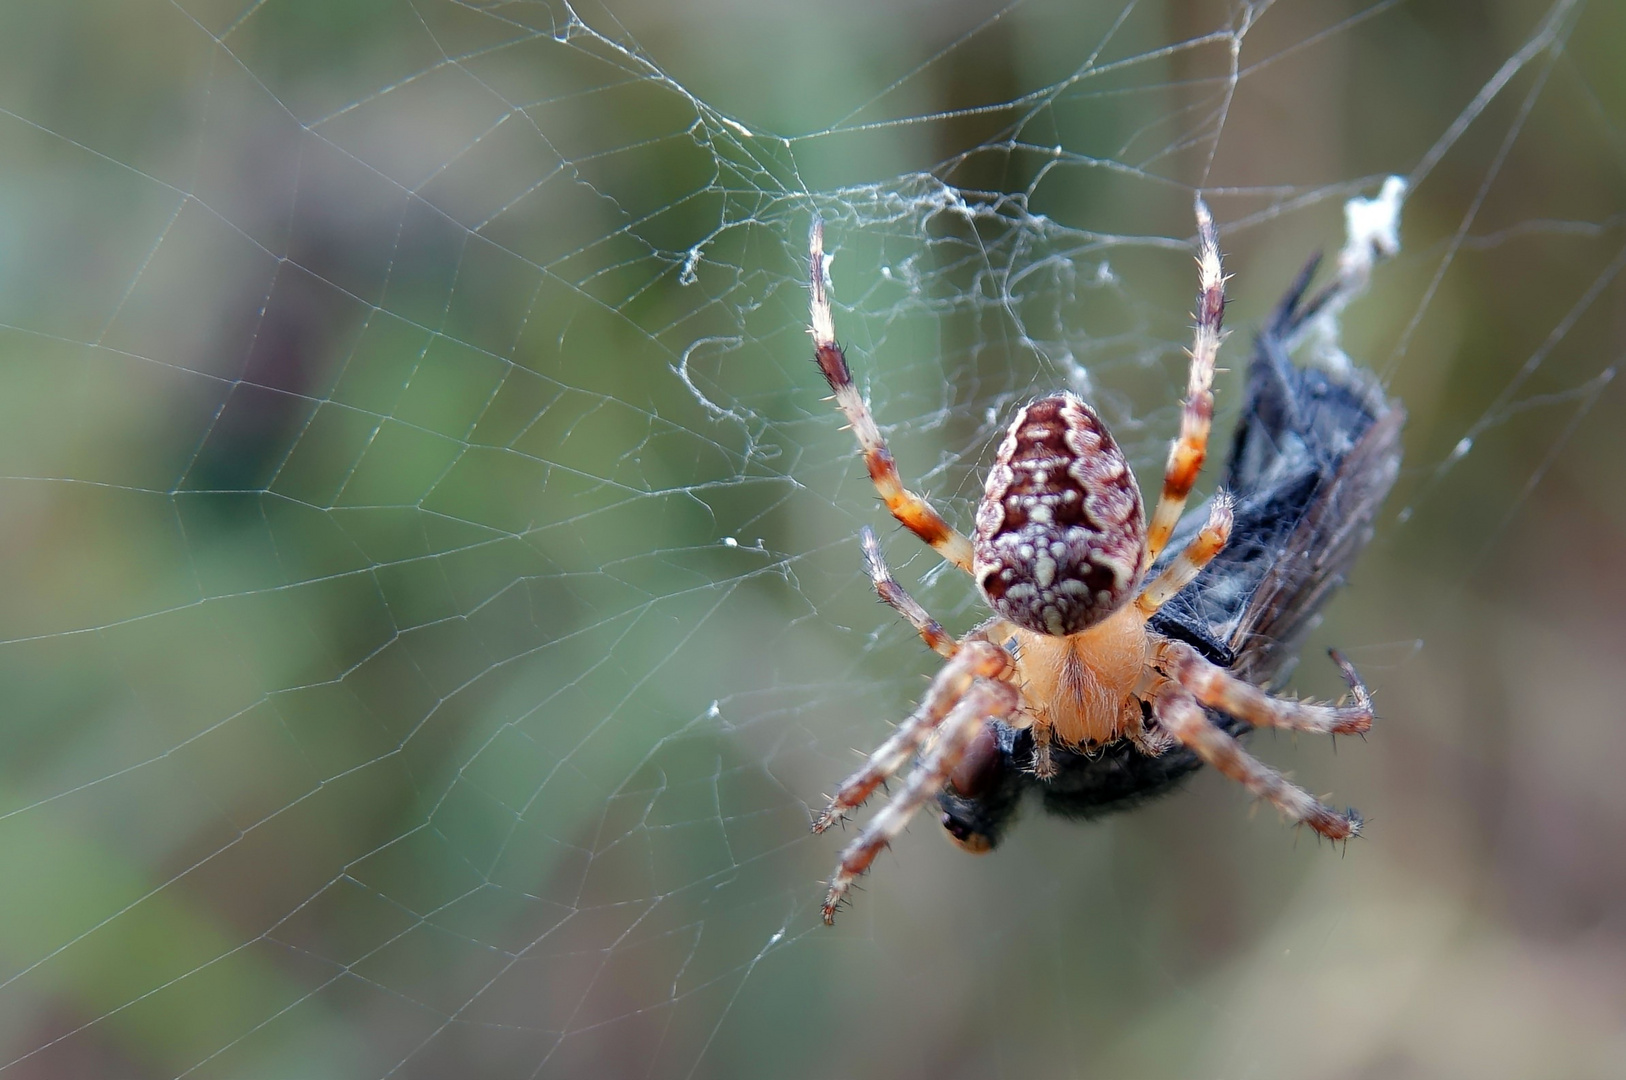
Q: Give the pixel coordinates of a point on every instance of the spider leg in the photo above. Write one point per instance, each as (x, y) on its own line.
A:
(1219, 689)
(985, 699)
(975, 660)
(1198, 554)
(1189, 449)
(912, 510)
(1181, 716)
(894, 595)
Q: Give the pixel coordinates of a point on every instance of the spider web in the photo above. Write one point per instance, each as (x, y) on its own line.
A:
(433, 600)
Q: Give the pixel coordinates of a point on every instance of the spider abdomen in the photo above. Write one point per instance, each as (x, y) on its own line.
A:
(1060, 537)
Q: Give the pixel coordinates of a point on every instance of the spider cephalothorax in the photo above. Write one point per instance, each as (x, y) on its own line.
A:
(1060, 552)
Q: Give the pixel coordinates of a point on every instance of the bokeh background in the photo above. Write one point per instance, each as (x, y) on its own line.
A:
(431, 600)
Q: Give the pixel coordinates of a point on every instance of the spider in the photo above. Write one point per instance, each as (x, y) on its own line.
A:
(1061, 552)
(1315, 450)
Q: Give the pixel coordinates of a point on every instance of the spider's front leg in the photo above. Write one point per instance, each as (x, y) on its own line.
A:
(1219, 689)
(975, 660)
(984, 699)
(1183, 717)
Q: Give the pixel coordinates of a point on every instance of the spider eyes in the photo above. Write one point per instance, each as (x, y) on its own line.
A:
(1060, 536)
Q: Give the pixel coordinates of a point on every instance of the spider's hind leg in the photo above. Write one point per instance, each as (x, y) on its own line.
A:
(916, 514)
(1190, 447)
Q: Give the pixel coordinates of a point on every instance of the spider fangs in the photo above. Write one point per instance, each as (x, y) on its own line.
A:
(1059, 552)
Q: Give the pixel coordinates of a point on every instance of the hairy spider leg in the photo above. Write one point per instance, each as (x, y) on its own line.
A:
(913, 511)
(1219, 689)
(975, 660)
(1190, 447)
(898, 599)
(986, 699)
(1209, 542)
(1182, 716)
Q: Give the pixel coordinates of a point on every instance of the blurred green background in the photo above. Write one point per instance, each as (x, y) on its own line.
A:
(431, 599)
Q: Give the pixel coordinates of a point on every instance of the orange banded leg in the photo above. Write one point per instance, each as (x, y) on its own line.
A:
(1198, 554)
(894, 595)
(984, 700)
(1182, 717)
(1219, 689)
(912, 510)
(975, 660)
(1189, 449)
